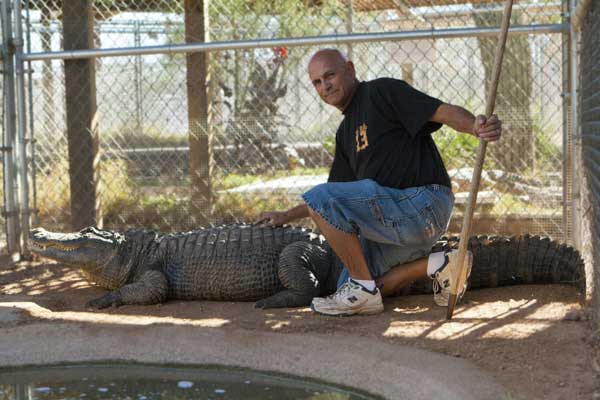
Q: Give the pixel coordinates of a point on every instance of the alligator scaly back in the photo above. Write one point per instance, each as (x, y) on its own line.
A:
(230, 262)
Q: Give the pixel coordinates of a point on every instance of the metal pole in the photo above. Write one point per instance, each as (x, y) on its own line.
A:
(138, 81)
(22, 391)
(35, 220)
(10, 213)
(575, 190)
(291, 42)
(566, 94)
(21, 131)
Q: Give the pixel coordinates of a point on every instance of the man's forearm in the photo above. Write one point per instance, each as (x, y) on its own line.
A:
(300, 211)
(455, 117)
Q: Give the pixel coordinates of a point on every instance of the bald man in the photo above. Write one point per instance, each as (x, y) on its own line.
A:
(388, 198)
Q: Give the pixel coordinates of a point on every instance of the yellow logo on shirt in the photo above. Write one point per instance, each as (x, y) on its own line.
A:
(362, 142)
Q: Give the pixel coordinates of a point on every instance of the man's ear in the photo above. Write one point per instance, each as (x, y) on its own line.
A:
(350, 68)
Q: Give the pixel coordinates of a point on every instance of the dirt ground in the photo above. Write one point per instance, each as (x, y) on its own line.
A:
(535, 340)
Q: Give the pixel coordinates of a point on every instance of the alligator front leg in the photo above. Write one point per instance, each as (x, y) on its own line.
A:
(303, 267)
(151, 288)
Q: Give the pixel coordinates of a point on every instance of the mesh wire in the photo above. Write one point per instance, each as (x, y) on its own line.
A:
(269, 135)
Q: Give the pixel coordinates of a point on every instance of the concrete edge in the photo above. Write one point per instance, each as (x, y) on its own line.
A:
(384, 369)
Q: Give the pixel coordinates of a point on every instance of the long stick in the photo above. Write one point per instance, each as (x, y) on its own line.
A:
(459, 280)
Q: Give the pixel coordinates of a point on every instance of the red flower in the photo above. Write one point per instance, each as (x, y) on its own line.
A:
(280, 52)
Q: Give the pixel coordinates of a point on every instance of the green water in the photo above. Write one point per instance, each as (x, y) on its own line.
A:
(150, 382)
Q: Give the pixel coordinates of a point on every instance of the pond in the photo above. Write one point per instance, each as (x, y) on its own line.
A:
(148, 382)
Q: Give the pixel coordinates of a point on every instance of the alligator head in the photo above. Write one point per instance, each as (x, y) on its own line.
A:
(90, 249)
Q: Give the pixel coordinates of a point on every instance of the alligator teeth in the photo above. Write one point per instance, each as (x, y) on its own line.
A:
(41, 246)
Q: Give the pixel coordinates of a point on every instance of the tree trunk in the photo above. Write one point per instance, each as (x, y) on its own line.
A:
(196, 28)
(80, 93)
(515, 151)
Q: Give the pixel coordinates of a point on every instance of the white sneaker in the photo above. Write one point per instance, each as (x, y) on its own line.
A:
(442, 279)
(350, 298)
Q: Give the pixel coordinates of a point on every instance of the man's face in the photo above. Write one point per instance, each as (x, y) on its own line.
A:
(333, 78)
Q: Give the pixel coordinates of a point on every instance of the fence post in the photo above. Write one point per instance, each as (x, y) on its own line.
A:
(566, 102)
(80, 94)
(575, 136)
(196, 21)
(21, 132)
(10, 207)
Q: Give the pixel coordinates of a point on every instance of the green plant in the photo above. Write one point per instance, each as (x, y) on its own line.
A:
(455, 148)
(115, 188)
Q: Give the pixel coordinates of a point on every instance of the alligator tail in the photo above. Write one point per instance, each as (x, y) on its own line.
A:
(523, 259)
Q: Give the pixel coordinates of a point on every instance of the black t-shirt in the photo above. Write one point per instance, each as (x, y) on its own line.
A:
(386, 136)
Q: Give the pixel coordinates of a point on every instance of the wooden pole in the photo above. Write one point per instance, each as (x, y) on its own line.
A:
(459, 280)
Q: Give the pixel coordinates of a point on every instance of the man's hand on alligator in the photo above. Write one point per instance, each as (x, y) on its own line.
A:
(271, 218)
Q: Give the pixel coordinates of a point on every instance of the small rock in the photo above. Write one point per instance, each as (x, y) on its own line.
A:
(457, 354)
(574, 315)
(561, 384)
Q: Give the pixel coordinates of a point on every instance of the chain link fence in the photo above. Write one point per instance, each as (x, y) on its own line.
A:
(156, 152)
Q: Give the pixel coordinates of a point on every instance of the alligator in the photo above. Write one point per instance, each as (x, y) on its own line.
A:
(273, 266)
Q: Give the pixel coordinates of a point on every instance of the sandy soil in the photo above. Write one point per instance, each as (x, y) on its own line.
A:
(535, 340)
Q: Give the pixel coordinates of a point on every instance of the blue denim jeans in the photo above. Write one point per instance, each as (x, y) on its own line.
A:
(395, 226)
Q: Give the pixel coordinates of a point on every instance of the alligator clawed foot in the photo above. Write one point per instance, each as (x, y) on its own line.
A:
(285, 299)
(263, 304)
(260, 304)
(108, 300)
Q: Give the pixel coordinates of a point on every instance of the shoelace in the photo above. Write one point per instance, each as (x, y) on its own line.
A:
(343, 290)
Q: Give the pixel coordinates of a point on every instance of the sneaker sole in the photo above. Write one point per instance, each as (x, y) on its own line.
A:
(372, 310)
